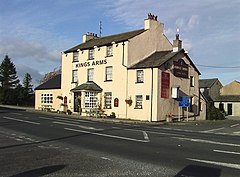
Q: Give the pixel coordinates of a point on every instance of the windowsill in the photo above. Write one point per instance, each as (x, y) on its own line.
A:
(108, 81)
(139, 82)
(108, 56)
(75, 61)
(73, 82)
(138, 108)
(90, 59)
(107, 107)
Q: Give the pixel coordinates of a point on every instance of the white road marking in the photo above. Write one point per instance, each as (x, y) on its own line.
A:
(229, 165)
(106, 135)
(80, 126)
(227, 152)
(105, 158)
(235, 125)
(160, 133)
(236, 132)
(212, 130)
(207, 141)
(65, 119)
(19, 120)
(15, 113)
(145, 136)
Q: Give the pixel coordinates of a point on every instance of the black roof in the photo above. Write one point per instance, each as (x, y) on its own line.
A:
(226, 98)
(107, 40)
(207, 83)
(91, 86)
(157, 59)
(54, 83)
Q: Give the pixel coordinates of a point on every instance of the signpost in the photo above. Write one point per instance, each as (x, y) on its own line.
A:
(184, 102)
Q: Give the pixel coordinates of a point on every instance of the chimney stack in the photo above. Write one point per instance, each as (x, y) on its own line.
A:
(177, 43)
(89, 36)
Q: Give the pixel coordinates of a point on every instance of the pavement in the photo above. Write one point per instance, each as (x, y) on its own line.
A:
(119, 120)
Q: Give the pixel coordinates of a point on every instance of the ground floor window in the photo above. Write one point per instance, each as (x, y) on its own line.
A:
(90, 100)
(108, 100)
(139, 100)
(47, 98)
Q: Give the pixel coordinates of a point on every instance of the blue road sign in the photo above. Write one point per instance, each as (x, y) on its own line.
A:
(184, 101)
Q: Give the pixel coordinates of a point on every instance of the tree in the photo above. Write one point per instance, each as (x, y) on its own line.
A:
(27, 83)
(10, 81)
(9, 74)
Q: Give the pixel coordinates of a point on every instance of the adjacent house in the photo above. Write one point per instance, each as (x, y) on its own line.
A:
(229, 99)
(137, 75)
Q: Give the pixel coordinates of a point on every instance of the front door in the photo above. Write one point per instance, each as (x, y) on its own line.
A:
(77, 101)
(229, 106)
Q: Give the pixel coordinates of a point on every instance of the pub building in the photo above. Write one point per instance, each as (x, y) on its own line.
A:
(137, 75)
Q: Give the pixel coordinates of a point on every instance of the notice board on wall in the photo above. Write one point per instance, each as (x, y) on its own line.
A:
(165, 85)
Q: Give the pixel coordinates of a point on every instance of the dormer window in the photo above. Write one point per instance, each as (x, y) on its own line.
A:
(109, 51)
(91, 54)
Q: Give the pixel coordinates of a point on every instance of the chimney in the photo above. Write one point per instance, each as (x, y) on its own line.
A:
(152, 21)
(177, 43)
(89, 36)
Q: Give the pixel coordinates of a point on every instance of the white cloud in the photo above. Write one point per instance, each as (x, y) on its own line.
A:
(193, 21)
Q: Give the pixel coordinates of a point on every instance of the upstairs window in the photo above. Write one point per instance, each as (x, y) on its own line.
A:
(74, 76)
(75, 56)
(90, 74)
(192, 80)
(109, 73)
(140, 76)
(109, 51)
(91, 54)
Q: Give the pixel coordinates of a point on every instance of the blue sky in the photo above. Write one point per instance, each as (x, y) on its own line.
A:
(35, 32)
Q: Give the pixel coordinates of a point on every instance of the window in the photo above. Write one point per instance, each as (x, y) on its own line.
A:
(139, 100)
(109, 73)
(75, 56)
(74, 76)
(91, 54)
(109, 51)
(139, 76)
(47, 98)
(191, 104)
(90, 100)
(90, 74)
(192, 81)
(108, 100)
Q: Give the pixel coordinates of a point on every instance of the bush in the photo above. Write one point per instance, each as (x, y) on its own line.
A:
(214, 114)
(69, 112)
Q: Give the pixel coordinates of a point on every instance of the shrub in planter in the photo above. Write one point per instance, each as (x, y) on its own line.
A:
(69, 112)
(214, 114)
(112, 115)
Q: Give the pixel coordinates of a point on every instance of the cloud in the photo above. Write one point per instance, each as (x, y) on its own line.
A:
(193, 21)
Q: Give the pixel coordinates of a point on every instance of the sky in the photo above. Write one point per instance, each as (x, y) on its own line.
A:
(33, 33)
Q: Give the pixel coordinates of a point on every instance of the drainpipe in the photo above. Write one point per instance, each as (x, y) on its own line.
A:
(151, 108)
(123, 64)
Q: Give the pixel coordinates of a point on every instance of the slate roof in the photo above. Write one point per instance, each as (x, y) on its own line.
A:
(159, 58)
(54, 83)
(228, 98)
(207, 83)
(91, 86)
(107, 40)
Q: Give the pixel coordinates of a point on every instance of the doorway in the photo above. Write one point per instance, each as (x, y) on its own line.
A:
(229, 108)
(77, 101)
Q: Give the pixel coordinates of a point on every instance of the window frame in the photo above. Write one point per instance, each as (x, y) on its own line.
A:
(74, 76)
(46, 98)
(108, 75)
(108, 100)
(90, 100)
(140, 78)
(75, 58)
(90, 77)
(192, 81)
(139, 102)
(109, 51)
(91, 53)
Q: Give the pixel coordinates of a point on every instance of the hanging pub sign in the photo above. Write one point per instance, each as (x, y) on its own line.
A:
(165, 85)
(180, 69)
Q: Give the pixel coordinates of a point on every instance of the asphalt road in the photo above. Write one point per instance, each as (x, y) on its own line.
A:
(42, 144)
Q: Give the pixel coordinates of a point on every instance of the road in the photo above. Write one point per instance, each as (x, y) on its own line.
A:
(43, 144)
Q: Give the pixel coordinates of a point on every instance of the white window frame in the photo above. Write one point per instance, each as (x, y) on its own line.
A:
(90, 74)
(139, 102)
(192, 81)
(140, 76)
(90, 100)
(108, 100)
(74, 76)
(108, 74)
(75, 56)
(47, 98)
(109, 51)
(91, 54)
